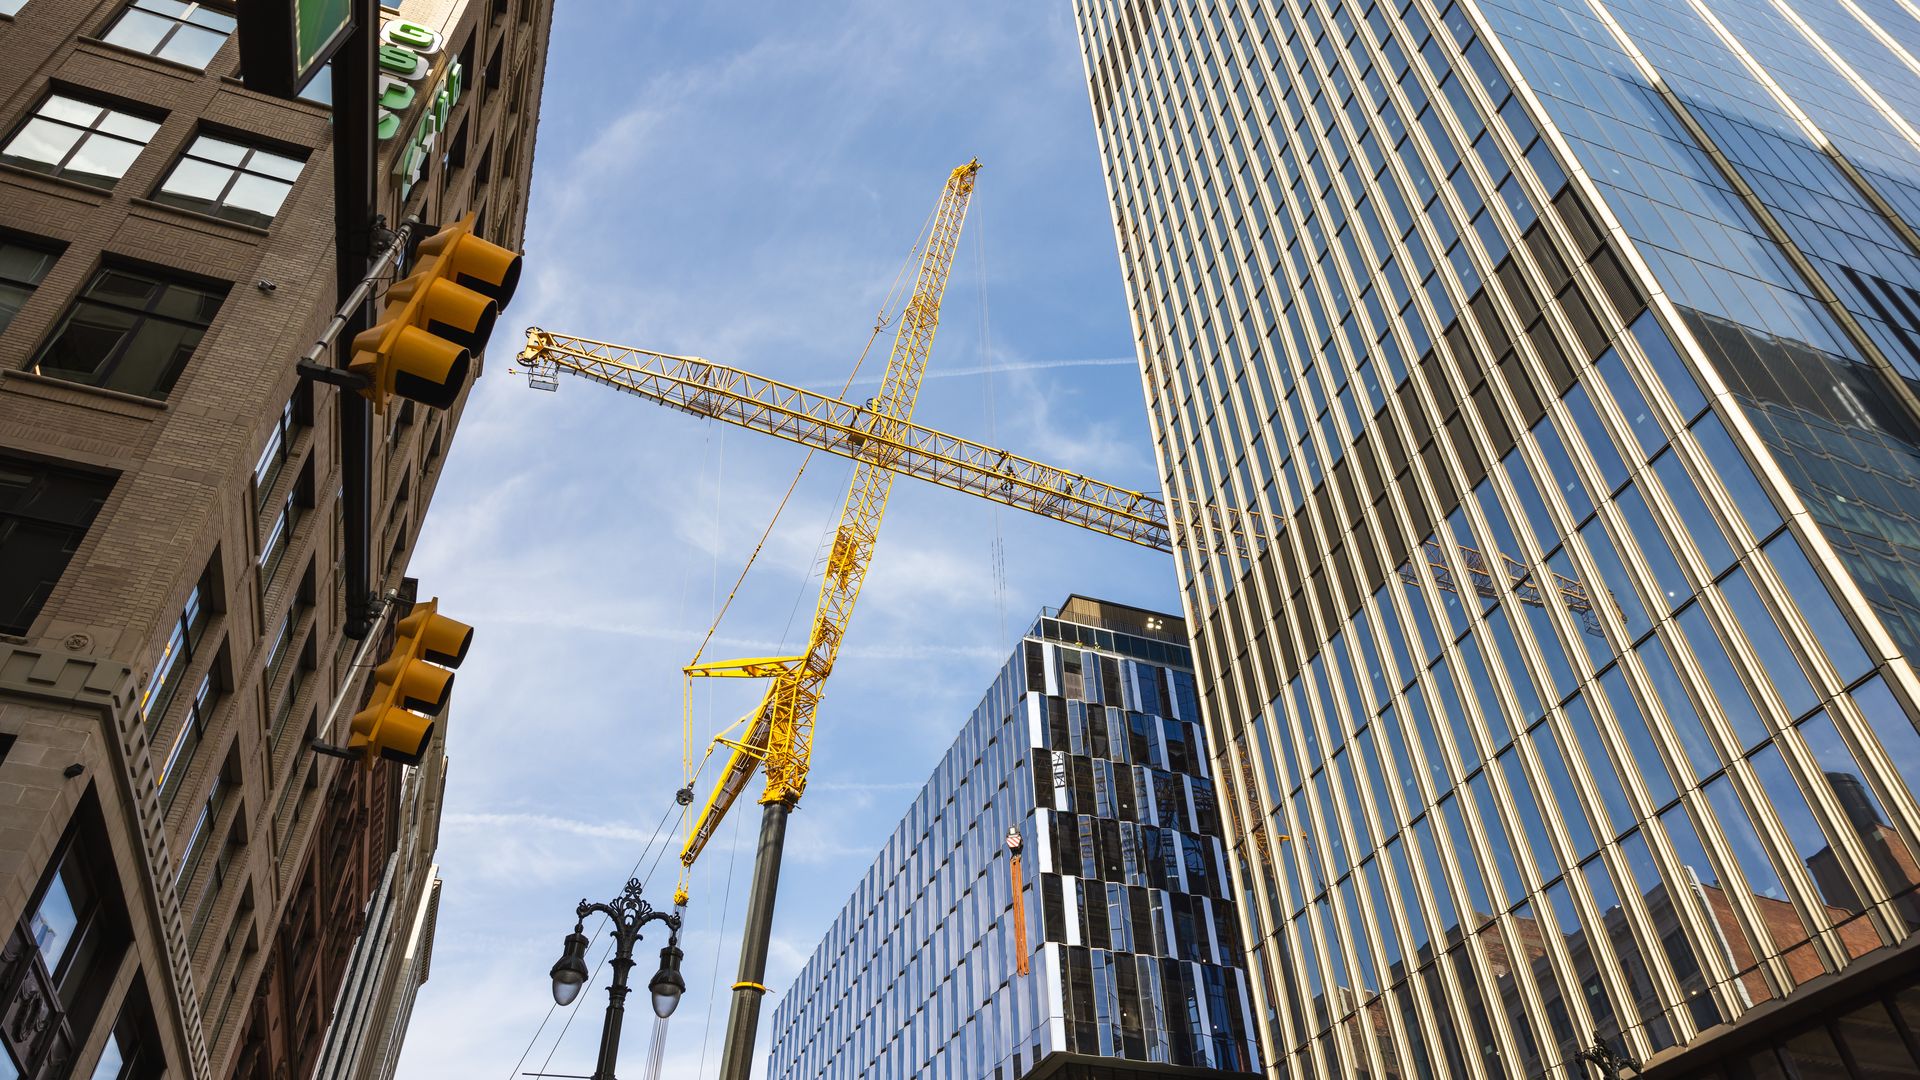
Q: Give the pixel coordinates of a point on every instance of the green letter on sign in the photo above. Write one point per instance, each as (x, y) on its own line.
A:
(411, 35)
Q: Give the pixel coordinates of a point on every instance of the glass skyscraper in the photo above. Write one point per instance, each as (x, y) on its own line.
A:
(1089, 744)
(1555, 361)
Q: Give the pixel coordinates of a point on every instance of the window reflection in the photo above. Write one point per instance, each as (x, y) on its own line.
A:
(1864, 816)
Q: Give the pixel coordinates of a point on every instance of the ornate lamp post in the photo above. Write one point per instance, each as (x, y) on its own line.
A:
(628, 913)
(1611, 1065)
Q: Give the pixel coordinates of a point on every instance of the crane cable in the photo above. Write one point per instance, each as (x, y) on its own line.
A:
(881, 321)
(999, 550)
(719, 940)
(551, 1008)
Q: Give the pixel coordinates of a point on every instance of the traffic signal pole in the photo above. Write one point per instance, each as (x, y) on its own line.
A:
(743, 1018)
(355, 193)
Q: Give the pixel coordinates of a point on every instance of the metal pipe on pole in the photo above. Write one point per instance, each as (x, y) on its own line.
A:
(743, 1018)
(355, 200)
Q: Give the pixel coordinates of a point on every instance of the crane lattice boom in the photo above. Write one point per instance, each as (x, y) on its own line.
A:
(703, 388)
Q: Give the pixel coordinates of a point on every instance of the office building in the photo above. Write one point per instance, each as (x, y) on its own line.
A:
(182, 880)
(394, 954)
(1088, 744)
(1556, 361)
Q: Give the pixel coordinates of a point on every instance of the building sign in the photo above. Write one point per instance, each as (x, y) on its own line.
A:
(413, 100)
(318, 28)
(284, 42)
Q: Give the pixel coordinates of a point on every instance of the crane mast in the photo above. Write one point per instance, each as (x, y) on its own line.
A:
(780, 739)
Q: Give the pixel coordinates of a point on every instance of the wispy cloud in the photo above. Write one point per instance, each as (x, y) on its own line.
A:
(999, 369)
(742, 182)
(492, 823)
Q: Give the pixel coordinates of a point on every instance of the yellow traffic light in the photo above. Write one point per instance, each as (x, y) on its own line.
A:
(433, 320)
(408, 684)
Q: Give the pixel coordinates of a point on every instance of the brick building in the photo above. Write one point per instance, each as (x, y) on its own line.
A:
(181, 881)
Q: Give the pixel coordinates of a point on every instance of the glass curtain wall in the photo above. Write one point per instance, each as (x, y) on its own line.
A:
(1559, 358)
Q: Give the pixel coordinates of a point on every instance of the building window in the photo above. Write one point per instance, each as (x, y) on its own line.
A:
(193, 727)
(319, 88)
(279, 724)
(44, 515)
(133, 1049)
(65, 951)
(170, 670)
(79, 140)
(185, 33)
(281, 647)
(130, 331)
(21, 268)
(195, 847)
(273, 552)
(230, 180)
(273, 458)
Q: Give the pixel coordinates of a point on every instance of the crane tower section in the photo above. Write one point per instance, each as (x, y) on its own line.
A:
(779, 737)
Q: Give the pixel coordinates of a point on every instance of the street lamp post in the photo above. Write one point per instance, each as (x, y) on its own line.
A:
(628, 913)
(1611, 1063)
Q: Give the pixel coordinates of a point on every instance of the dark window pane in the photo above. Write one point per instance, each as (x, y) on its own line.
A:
(90, 339)
(1879, 1052)
(134, 334)
(21, 269)
(44, 515)
(1814, 1054)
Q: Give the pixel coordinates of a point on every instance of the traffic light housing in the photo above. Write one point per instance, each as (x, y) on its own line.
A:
(411, 686)
(435, 319)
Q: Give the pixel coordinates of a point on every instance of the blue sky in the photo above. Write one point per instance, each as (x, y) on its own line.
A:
(742, 182)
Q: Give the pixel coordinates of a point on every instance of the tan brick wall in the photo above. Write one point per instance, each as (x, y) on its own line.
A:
(184, 498)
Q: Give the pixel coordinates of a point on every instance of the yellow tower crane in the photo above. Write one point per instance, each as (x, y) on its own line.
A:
(880, 437)
(778, 736)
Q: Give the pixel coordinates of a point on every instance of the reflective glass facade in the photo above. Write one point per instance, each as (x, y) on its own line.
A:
(1556, 361)
(1088, 743)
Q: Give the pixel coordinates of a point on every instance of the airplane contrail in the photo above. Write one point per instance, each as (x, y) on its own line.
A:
(995, 369)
